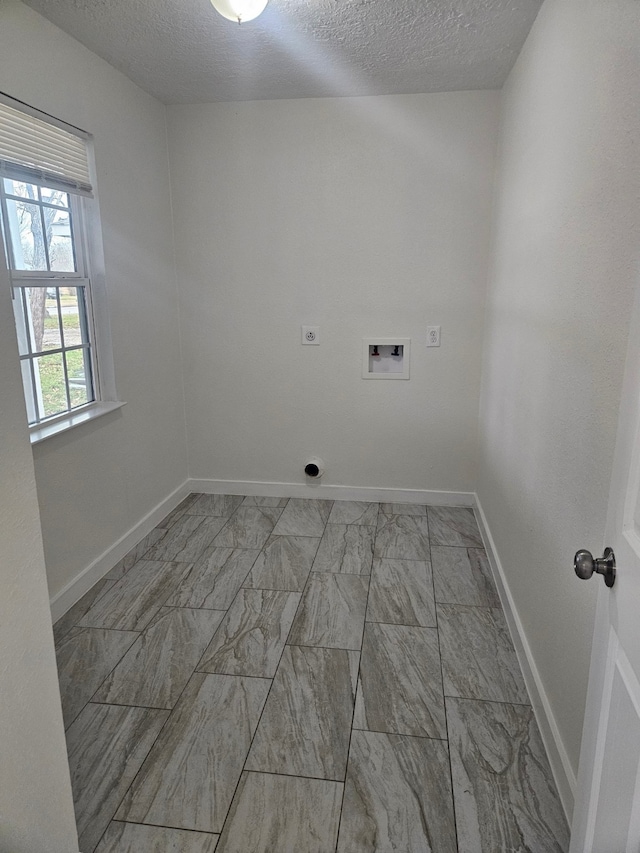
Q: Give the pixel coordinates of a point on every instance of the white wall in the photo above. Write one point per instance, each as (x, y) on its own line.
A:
(36, 810)
(99, 480)
(365, 216)
(565, 261)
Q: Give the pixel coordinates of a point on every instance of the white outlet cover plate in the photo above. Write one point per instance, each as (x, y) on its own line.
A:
(311, 336)
(433, 336)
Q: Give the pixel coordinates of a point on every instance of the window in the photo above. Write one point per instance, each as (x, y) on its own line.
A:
(44, 239)
(47, 219)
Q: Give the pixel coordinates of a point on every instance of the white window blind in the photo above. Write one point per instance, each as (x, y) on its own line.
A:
(42, 151)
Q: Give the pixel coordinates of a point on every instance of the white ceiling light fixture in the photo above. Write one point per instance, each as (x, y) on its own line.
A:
(240, 10)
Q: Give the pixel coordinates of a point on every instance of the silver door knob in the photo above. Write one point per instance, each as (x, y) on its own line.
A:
(585, 565)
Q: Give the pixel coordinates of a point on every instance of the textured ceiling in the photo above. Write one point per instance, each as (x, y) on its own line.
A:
(182, 51)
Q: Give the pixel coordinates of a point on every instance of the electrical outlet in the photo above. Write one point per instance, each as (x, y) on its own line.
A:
(311, 336)
(433, 336)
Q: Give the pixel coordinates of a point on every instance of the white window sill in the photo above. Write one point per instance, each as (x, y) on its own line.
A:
(40, 432)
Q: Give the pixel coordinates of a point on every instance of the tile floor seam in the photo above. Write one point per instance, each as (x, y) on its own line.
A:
(187, 607)
(326, 648)
(446, 716)
(98, 628)
(158, 604)
(262, 512)
(272, 680)
(93, 701)
(355, 695)
(401, 734)
(241, 590)
(403, 559)
(214, 633)
(133, 781)
(332, 502)
(401, 624)
(203, 517)
(299, 536)
(126, 651)
(248, 753)
(161, 825)
(489, 701)
(108, 583)
(135, 776)
(294, 775)
(475, 606)
(226, 613)
(267, 567)
(302, 593)
(155, 707)
(119, 630)
(345, 551)
(386, 734)
(284, 646)
(271, 588)
(219, 571)
(454, 631)
(167, 721)
(304, 604)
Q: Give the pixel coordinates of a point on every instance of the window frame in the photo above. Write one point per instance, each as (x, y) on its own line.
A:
(89, 275)
(22, 280)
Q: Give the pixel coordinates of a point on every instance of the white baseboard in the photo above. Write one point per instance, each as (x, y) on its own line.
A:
(91, 574)
(560, 765)
(340, 493)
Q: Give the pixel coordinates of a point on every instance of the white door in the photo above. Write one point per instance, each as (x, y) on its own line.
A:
(607, 810)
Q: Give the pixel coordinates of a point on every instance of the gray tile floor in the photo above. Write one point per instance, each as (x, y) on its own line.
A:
(305, 676)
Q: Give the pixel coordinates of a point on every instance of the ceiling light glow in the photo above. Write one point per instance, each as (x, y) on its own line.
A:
(240, 10)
